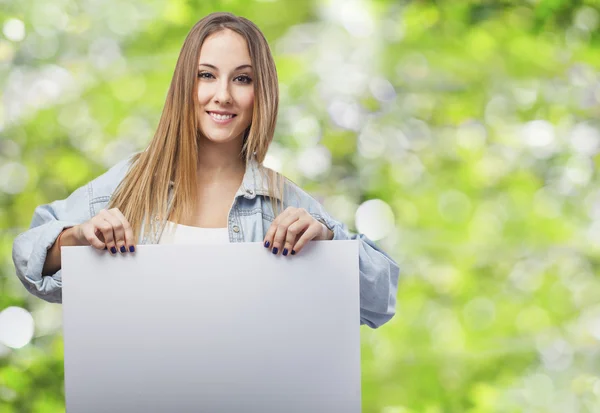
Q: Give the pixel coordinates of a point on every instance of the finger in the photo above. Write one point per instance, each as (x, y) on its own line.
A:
(270, 235)
(106, 230)
(294, 231)
(89, 234)
(118, 230)
(129, 236)
(311, 233)
(281, 231)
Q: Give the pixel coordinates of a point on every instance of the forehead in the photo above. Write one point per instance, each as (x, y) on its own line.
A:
(225, 48)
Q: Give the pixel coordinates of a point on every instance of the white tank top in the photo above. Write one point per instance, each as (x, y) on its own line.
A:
(184, 234)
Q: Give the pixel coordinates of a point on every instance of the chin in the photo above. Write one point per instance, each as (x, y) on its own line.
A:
(218, 137)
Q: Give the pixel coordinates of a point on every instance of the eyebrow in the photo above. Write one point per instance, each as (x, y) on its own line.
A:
(215, 68)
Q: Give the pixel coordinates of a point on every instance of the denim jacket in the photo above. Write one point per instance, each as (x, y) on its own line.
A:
(250, 216)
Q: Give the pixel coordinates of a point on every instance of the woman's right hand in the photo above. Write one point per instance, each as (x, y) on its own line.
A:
(107, 230)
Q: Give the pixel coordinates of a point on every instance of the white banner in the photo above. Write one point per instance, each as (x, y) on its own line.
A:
(212, 329)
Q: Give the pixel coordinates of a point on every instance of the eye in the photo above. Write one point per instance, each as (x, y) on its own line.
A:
(205, 75)
(244, 79)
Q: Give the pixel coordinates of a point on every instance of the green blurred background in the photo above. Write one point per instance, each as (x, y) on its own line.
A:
(462, 135)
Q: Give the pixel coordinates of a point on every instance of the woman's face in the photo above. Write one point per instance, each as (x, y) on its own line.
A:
(225, 87)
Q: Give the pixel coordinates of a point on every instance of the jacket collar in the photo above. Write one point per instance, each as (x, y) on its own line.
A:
(255, 181)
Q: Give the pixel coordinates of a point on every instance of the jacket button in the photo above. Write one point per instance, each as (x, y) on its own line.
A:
(236, 229)
(249, 191)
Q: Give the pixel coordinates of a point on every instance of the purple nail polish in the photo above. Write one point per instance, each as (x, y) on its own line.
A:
(293, 252)
(285, 251)
(123, 250)
(113, 250)
(275, 250)
(131, 248)
(267, 244)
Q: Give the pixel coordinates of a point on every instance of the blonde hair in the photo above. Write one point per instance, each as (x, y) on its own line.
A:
(172, 154)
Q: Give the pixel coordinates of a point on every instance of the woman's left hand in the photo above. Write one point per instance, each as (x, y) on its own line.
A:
(292, 229)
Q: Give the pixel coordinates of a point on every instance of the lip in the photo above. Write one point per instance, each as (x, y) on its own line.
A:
(219, 121)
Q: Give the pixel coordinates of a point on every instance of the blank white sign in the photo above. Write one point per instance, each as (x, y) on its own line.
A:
(212, 328)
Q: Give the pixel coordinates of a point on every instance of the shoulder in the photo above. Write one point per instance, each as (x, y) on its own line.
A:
(102, 187)
(292, 194)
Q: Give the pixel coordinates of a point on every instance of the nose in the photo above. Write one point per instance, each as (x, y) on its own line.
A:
(222, 94)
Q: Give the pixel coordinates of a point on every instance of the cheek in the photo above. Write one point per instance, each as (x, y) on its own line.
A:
(205, 92)
(202, 95)
(247, 102)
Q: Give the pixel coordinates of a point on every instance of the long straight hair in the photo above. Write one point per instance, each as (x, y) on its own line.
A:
(172, 155)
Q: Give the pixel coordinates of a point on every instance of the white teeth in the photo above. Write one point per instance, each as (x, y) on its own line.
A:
(220, 117)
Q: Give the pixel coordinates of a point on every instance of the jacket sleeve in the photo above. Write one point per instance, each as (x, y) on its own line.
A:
(378, 276)
(30, 247)
(378, 271)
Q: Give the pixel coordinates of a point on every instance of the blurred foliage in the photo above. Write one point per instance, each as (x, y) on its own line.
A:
(475, 121)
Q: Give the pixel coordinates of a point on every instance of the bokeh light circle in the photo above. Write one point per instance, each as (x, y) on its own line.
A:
(375, 219)
(16, 327)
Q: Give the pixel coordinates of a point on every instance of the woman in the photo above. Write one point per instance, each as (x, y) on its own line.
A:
(201, 178)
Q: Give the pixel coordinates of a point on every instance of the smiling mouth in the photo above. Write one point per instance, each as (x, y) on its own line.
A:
(220, 117)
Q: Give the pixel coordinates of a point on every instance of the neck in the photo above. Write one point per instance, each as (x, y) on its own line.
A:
(219, 161)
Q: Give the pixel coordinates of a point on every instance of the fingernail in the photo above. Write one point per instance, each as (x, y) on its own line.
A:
(293, 252)
(275, 250)
(113, 250)
(132, 249)
(123, 249)
(285, 251)
(267, 244)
